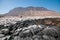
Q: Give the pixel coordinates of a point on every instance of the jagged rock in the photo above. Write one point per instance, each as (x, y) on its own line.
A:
(48, 37)
(51, 32)
(29, 30)
(2, 35)
(36, 37)
(5, 31)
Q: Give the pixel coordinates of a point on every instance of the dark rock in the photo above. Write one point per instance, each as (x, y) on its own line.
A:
(30, 30)
(5, 31)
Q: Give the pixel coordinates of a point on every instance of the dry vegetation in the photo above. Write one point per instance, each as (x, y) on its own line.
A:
(49, 21)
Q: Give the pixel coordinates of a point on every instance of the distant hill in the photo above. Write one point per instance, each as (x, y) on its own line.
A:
(31, 11)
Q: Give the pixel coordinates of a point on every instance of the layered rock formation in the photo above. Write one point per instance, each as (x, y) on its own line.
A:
(31, 11)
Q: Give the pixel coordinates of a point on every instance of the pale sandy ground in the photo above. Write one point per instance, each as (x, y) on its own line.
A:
(13, 20)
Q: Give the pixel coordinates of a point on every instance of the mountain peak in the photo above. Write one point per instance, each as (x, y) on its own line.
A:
(30, 11)
(31, 8)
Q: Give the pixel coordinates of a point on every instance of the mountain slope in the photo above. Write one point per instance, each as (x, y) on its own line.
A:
(31, 11)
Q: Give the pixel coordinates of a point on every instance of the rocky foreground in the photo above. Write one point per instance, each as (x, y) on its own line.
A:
(29, 29)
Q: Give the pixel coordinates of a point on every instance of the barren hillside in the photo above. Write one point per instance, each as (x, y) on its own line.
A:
(30, 23)
(31, 11)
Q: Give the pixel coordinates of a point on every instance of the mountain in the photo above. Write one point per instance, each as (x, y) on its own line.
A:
(31, 11)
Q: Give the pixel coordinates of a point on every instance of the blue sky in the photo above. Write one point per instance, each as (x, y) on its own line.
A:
(7, 5)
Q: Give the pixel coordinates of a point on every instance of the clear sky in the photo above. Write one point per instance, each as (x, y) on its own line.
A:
(7, 5)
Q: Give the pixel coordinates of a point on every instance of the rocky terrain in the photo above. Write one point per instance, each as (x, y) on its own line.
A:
(16, 28)
(30, 23)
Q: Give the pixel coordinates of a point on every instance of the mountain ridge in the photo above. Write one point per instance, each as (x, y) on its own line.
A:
(31, 11)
